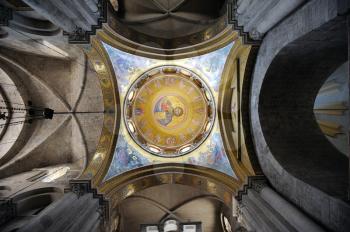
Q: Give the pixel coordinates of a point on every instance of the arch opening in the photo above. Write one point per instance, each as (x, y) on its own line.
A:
(286, 105)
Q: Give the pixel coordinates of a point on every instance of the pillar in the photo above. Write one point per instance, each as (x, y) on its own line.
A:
(80, 210)
(51, 13)
(263, 209)
(79, 18)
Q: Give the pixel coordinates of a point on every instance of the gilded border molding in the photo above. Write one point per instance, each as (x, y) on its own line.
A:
(99, 164)
(110, 37)
(230, 94)
(211, 181)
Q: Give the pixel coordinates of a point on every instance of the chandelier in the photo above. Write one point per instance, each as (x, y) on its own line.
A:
(15, 113)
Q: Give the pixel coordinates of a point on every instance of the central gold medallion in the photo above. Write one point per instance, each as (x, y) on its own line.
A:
(169, 111)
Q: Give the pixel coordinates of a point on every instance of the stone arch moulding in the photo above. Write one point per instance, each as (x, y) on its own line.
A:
(233, 110)
(292, 64)
(109, 36)
(11, 74)
(151, 23)
(24, 148)
(113, 191)
(213, 182)
(98, 165)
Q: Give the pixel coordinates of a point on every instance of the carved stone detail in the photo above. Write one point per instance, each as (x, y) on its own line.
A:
(257, 183)
(80, 36)
(82, 187)
(251, 39)
(255, 34)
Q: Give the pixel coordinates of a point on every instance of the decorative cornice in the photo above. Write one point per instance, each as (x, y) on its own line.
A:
(80, 36)
(253, 38)
(82, 187)
(257, 183)
(5, 15)
(7, 210)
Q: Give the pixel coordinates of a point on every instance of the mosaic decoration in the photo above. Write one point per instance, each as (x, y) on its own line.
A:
(211, 65)
(125, 158)
(128, 155)
(169, 111)
(215, 156)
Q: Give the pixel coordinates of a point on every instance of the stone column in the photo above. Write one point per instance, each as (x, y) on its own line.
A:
(80, 210)
(263, 209)
(51, 13)
(79, 18)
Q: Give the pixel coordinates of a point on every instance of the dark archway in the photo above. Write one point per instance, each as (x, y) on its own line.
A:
(184, 203)
(294, 60)
(286, 112)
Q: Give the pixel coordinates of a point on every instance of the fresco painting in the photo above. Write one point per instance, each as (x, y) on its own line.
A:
(128, 155)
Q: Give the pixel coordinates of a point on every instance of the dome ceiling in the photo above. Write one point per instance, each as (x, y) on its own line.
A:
(168, 123)
(169, 111)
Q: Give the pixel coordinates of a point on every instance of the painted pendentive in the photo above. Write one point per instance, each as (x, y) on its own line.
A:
(128, 155)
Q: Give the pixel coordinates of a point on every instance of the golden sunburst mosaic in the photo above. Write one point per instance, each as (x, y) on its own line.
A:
(169, 111)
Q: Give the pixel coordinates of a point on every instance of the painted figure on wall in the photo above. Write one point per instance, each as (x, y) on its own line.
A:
(167, 109)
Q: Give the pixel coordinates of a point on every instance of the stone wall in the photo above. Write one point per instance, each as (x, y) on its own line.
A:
(292, 41)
